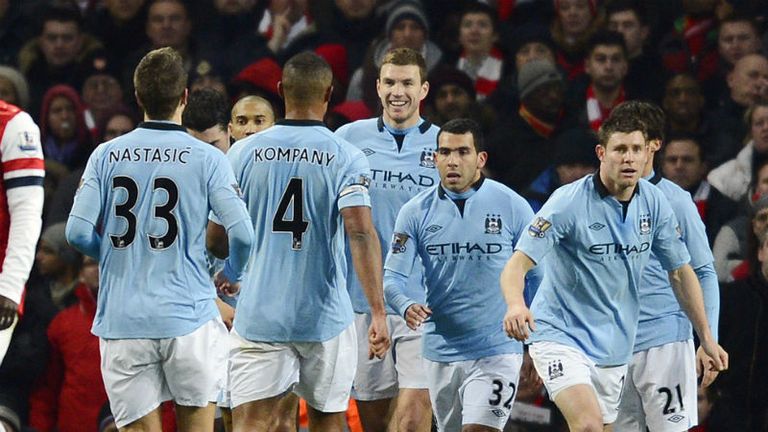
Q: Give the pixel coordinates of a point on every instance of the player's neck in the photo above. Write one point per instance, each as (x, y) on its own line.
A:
(310, 112)
(621, 193)
(407, 124)
(176, 117)
(648, 167)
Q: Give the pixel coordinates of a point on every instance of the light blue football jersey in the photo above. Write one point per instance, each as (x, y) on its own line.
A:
(149, 193)
(595, 254)
(662, 320)
(463, 248)
(296, 177)
(397, 175)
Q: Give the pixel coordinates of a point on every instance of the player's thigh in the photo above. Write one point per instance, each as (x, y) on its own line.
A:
(489, 390)
(327, 371)
(631, 417)
(194, 418)
(195, 364)
(413, 410)
(668, 392)
(133, 378)
(260, 370)
(445, 380)
(375, 379)
(566, 369)
(407, 354)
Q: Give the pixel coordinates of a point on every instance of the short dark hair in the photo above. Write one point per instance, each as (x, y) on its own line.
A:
(306, 77)
(609, 38)
(460, 126)
(633, 6)
(477, 7)
(205, 109)
(649, 113)
(61, 14)
(622, 121)
(406, 57)
(740, 18)
(160, 80)
(686, 136)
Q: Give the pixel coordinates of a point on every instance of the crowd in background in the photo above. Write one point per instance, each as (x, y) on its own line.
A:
(538, 75)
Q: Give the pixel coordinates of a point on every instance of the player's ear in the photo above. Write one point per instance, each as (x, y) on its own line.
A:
(482, 158)
(280, 89)
(328, 93)
(600, 152)
(184, 97)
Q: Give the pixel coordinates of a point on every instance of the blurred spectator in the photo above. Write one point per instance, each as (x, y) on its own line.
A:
(57, 54)
(574, 158)
(691, 45)
(59, 264)
(16, 28)
(743, 331)
(353, 23)
(260, 78)
(451, 96)
(206, 118)
(347, 112)
(229, 26)
(13, 87)
(70, 394)
(480, 59)
(101, 91)
(119, 122)
(643, 79)
(407, 26)
(595, 95)
(120, 26)
(738, 36)
(682, 162)
(530, 42)
(64, 134)
(522, 147)
(206, 76)
(249, 115)
(574, 24)
(737, 239)
(284, 21)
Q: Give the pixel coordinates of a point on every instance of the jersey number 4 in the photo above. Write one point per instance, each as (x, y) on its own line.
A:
(164, 211)
(296, 225)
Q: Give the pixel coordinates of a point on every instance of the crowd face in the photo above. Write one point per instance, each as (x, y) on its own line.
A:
(60, 42)
(62, 119)
(476, 34)
(635, 33)
(546, 101)
(123, 10)
(249, 117)
(355, 10)
(759, 129)
(607, 66)
(116, 126)
(683, 100)
(168, 24)
(533, 51)
(622, 159)
(401, 91)
(682, 163)
(458, 162)
(737, 39)
(575, 17)
(408, 33)
(748, 80)
(48, 261)
(101, 92)
(452, 101)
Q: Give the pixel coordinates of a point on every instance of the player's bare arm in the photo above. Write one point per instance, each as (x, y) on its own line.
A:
(518, 321)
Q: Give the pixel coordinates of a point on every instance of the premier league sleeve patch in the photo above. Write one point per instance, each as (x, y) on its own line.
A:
(398, 243)
(539, 227)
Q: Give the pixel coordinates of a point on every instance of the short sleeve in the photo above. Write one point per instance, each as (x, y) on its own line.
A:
(355, 181)
(87, 202)
(227, 205)
(668, 243)
(546, 229)
(402, 250)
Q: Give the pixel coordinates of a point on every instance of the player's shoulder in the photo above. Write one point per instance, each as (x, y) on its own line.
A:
(359, 127)
(580, 191)
(422, 201)
(502, 191)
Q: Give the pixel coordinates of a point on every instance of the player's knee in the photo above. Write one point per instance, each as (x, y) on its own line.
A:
(410, 422)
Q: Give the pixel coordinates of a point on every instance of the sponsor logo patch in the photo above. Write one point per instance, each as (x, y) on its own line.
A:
(539, 227)
(398, 243)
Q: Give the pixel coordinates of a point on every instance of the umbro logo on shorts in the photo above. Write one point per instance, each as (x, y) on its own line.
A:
(498, 413)
(677, 418)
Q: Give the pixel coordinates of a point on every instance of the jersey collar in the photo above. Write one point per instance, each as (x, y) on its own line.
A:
(423, 127)
(654, 178)
(294, 122)
(603, 191)
(161, 125)
(476, 186)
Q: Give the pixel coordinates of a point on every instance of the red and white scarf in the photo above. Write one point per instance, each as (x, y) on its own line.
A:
(596, 113)
(266, 30)
(540, 127)
(487, 75)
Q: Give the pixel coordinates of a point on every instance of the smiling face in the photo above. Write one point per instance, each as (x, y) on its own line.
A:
(401, 91)
(458, 161)
(622, 160)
